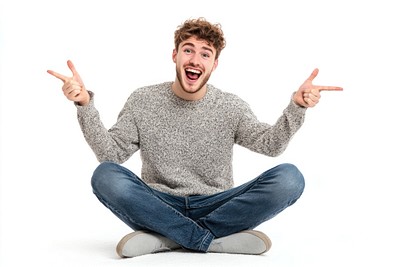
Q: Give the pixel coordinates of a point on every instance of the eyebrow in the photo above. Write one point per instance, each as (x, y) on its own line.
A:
(203, 47)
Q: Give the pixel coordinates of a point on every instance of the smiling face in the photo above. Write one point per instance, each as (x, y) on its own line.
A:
(195, 61)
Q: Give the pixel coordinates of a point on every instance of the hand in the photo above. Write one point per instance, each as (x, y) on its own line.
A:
(73, 87)
(308, 94)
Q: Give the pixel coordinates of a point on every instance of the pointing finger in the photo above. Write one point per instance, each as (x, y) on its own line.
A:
(58, 75)
(329, 88)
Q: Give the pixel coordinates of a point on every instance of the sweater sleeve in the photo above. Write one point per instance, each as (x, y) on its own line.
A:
(116, 144)
(270, 140)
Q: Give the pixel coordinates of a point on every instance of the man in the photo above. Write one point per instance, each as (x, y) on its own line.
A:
(185, 131)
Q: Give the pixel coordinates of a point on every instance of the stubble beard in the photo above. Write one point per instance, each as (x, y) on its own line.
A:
(179, 76)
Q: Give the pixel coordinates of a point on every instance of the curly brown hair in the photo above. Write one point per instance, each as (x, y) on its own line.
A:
(203, 30)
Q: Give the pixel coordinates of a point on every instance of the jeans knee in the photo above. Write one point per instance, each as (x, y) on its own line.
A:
(286, 180)
(291, 179)
(102, 175)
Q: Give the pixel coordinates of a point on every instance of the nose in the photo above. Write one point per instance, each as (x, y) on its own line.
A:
(195, 59)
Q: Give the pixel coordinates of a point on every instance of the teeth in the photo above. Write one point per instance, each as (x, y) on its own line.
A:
(194, 71)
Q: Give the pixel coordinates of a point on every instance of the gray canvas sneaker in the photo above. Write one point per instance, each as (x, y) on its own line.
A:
(247, 242)
(142, 242)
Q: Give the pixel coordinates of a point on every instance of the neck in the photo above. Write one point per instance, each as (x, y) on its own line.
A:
(190, 96)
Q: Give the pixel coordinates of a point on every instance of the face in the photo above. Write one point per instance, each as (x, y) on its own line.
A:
(195, 61)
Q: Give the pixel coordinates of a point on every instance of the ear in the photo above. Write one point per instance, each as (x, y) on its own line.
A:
(174, 53)
(215, 64)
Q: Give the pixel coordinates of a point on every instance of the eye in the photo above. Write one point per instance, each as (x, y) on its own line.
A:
(205, 55)
(187, 51)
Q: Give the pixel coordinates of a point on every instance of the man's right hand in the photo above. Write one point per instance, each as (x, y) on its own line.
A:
(73, 87)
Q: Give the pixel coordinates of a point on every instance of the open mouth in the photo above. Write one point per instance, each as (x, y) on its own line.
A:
(193, 74)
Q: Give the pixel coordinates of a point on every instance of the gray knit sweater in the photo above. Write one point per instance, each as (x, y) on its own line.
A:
(186, 146)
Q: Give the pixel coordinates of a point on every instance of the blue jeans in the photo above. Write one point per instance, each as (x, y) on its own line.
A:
(194, 221)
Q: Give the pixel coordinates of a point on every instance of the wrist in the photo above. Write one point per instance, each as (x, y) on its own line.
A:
(296, 102)
(86, 99)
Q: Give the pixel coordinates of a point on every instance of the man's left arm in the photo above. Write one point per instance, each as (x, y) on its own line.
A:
(272, 140)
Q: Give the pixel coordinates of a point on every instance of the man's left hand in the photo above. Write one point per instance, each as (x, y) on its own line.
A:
(308, 94)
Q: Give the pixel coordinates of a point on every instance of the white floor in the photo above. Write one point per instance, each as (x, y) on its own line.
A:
(55, 234)
(64, 249)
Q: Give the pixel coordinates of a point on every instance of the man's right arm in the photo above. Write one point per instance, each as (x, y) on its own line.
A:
(116, 144)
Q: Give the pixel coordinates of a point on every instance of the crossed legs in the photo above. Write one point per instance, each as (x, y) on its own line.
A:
(193, 222)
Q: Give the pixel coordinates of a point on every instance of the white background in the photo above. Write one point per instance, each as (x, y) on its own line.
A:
(348, 148)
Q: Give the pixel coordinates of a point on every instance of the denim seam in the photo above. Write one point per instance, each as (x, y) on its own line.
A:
(205, 240)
